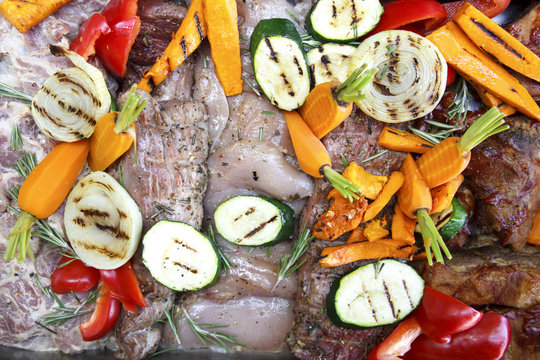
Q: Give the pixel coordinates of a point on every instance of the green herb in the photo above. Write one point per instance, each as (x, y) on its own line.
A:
(284, 307)
(260, 134)
(205, 335)
(243, 37)
(343, 160)
(64, 313)
(239, 135)
(173, 323)
(8, 91)
(227, 263)
(381, 153)
(266, 112)
(289, 263)
(120, 176)
(44, 231)
(269, 250)
(204, 60)
(250, 84)
(460, 105)
(44, 290)
(293, 17)
(390, 50)
(25, 164)
(425, 135)
(16, 141)
(161, 209)
(244, 48)
(383, 71)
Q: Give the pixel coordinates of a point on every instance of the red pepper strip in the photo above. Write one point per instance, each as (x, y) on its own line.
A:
(103, 318)
(403, 12)
(487, 340)
(119, 10)
(113, 48)
(490, 8)
(451, 76)
(399, 341)
(90, 31)
(124, 286)
(441, 316)
(75, 276)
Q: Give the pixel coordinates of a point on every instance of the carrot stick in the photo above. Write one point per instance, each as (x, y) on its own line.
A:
(330, 103)
(313, 157)
(442, 195)
(114, 133)
(28, 13)
(44, 190)
(375, 229)
(473, 64)
(494, 40)
(534, 234)
(345, 254)
(402, 226)
(395, 181)
(397, 140)
(189, 36)
(491, 100)
(452, 155)
(222, 27)
(356, 235)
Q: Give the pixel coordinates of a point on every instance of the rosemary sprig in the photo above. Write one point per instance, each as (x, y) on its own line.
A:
(173, 323)
(250, 84)
(64, 313)
(289, 263)
(205, 335)
(16, 142)
(460, 105)
(8, 91)
(261, 134)
(45, 232)
(161, 209)
(292, 16)
(381, 153)
(227, 263)
(25, 164)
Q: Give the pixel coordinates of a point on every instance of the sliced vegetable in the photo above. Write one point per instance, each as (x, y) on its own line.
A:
(383, 248)
(103, 223)
(375, 294)
(114, 133)
(456, 222)
(222, 26)
(357, 235)
(451, 156)
(370, 185)
(73, 275)
(487, 340)
(376, 229)
(463, 55)
(71, 101)
(25, 14)
(398, 342)
(254, 220)
(440, 316)
(43, 191)
(534, 234)
(124, 286)
(395, 181)
(189, 36)
(119, 10)
(329, 104)
(494, 40)
(313, 157)
(180, 257)
(342, 216)
(103, 318)
(429, 14)
(402, 226)
(85, 42)
(491, 100)
(398, 140)
(279, 63)
(329, 62)
(443, 194)
(411, 78)
(344, 20)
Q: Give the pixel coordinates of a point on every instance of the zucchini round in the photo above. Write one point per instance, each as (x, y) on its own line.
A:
(279, 63)
(343, 20)
(329, 62)
(375, 294)
(180, 257)
(254, 221)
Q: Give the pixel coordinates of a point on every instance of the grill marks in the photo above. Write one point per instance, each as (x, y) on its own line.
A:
(260, 227)
(497, 39)
(273, 55)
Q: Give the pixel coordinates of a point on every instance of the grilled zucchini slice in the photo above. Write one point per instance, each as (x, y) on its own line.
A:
(254, 221)
(279, 63)
(343, 20)
(329, 62)
(376, 294)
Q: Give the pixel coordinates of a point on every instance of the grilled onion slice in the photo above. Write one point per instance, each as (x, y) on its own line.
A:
(103, 223)
(71, 101)
(411, 78)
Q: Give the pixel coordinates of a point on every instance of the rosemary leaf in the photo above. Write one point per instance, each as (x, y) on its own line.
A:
(266, 112)
(120, 176)
(25, 164)
(260, 134)
(8, 91)
(64, 314)
(374, 156)
(16, 142)
(460, 105)
(293, 17)
(250, 84)
(343, 160)
(226, 262)
(289, 263)
(171, 319)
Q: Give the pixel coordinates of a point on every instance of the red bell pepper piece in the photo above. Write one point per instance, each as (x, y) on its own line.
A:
(75, 276)
(399, 341)
(119, 10)
(487, 340)
(451, 76)
(490, 8)
(103, 318)
(90, 31)
(428, 13)
(113, 48)
(441, 316)
(124, 286)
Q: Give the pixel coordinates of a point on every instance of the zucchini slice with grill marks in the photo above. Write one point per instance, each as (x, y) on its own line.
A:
(329, 62)
(343, 20)
(254, 221)
(375, 294)
(180, 257)
(279, 63)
